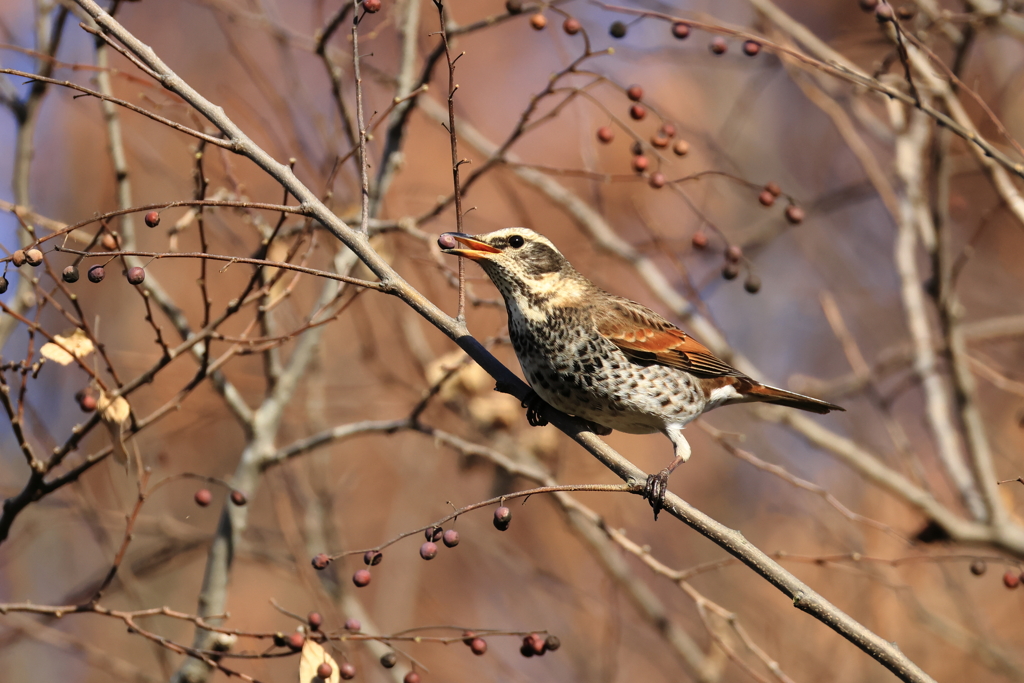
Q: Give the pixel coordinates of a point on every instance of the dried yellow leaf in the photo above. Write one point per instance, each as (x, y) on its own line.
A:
(313, 655)
(64, 349)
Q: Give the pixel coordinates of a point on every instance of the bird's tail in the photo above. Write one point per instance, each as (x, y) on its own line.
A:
(767, 394)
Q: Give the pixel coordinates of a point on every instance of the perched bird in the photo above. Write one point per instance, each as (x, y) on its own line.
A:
(606, 359)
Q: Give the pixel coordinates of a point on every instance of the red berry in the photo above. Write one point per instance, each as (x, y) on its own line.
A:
(238, 498)
(774, 188)
(668, 130)
(680, 30)
(296, 641)
(571, 26)
(766, 198)
(794, 214)
(371, 6)
(538, 21)
(411, 677)
(433, 533)
(681, 148)
(96, 274)
(152, 219)
(136, 275)
(428, 550)
(700, 240)
(203, 497)
(660, 141)
(478, 646)
(86, 399)
(1010, 579)
(353, 624)
(734, 253)
(316, 620)
(320, 561)
(640, 163)
(361, 578)
(637, 112)
(657, 181)
(605, 134)
(347, 671)
(635, 93)
(467, 637)
(18, 258)
(324, 671)
(451, 538)
(535, 642)
(34, 257)
(718, 45)
(751, 48)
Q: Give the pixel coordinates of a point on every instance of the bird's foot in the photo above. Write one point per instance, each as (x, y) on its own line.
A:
(600, 430)
(535, 408)
(655, 490)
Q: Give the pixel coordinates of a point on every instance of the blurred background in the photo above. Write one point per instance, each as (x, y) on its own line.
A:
(883, 274)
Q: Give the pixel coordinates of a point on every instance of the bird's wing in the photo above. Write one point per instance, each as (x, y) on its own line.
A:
(647, 338)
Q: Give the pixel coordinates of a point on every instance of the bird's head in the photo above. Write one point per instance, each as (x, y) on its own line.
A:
(519, 261)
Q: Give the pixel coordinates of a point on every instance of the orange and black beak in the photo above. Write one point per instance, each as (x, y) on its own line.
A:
(477, 250)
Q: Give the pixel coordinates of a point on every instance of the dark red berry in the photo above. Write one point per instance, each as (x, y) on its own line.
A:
(373, 557)
(640, 163)
(637, 112)
(730, 271)
(552, 643)
(571, 26)
(361, 578)
(751, 48)
(478, 646)
(605, 134)
(681, 148)
(978, 567)
(752, 284)
(467, 637)
(525, 649)
(388, 660)
(353, 624)
(514, 6)
(883, 13)
(502, 518)
(238, 498)
(734, 253)
(868, 5)
(635, 93)
(668, 130)
(1011, 579)
(152, 219)
(86, 400)
(96, 274)
(434, 533)
(680, 30)
(794, 214)
(411, 677)
(347, 671)
(203, 497)
(660, 141)
(451, 538)
(538, 21)
(316, 620)
(371, 6)
(774, 188)
(657, 181)
(70, 274)
(136, 275)
(18, 258)
(296, 640)
(617, 30)
(535, 642)
(324, 671)
(320, 561)
(4, 284)
(428, 550)
(718, 45)
(699, 240)
(766, 198)
(33, 257)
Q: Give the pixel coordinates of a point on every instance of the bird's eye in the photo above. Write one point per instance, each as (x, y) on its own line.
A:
(516, 241)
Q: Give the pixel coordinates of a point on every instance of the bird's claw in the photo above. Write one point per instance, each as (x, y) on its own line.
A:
(535, 407)
(655, 490)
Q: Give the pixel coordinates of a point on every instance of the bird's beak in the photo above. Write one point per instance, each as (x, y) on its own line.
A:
(477, 250)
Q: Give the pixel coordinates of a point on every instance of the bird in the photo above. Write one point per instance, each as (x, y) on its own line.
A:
(606, 359)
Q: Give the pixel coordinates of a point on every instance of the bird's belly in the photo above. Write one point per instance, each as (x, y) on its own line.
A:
(597, 382)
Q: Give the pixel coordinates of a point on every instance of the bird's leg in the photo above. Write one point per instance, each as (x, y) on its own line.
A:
(535, 408)
(657, 484)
